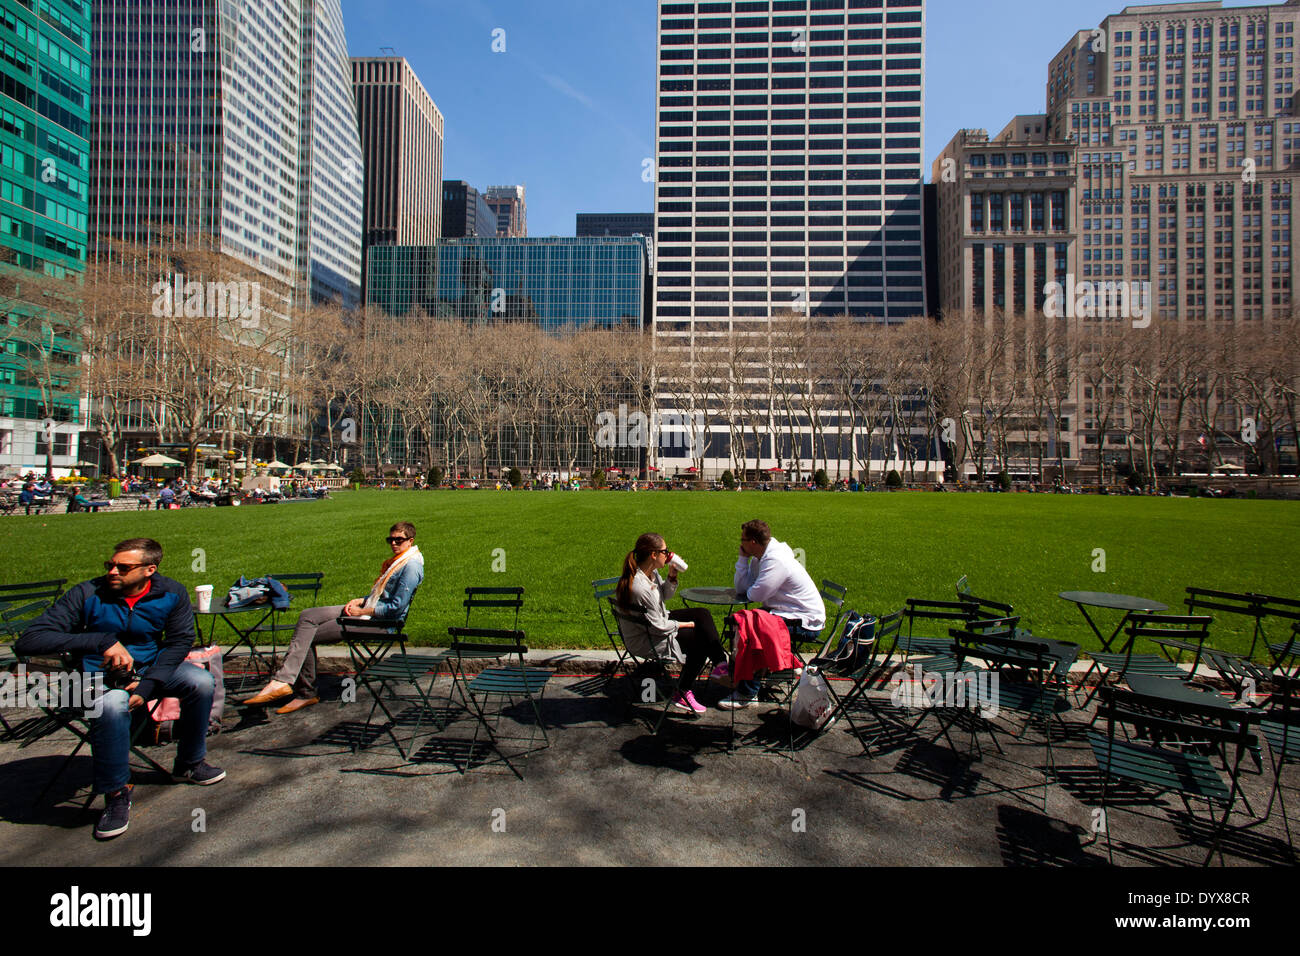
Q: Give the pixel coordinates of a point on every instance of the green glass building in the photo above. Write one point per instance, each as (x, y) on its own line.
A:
(44, 172)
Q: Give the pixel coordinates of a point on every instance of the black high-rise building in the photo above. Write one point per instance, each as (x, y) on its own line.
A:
(616, 224)
(465, 213)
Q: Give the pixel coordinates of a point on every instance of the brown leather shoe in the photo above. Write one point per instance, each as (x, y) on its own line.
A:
(298, 703)
(267, 696)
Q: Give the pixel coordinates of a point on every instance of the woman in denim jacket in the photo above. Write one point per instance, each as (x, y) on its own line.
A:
(389, 599)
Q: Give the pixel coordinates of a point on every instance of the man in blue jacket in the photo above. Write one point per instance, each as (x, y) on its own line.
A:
(136, 627)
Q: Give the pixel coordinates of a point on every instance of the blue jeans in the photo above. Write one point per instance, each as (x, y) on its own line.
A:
(110, 733)
(798, 634)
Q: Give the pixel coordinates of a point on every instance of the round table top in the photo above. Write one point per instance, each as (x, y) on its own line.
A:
(1119, 602)
(217, 609)
(720, 596)
(1170, 688)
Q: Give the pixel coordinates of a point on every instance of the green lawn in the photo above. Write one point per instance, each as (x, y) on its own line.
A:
(1022, 549)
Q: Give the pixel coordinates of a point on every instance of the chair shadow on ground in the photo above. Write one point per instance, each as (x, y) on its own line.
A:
(65, 804)
(681, 740)
(1030, 838)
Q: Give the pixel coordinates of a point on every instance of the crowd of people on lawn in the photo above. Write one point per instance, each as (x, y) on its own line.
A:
(38, 494)
(136, 627)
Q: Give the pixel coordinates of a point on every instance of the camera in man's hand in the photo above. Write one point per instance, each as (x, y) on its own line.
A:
(120, 678)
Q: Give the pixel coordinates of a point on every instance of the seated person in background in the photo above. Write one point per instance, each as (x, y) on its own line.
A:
(165, 498)
(137, 626)
(767, 572)
(76, 500)
(389, 599)
(642, 590)
(27, 497)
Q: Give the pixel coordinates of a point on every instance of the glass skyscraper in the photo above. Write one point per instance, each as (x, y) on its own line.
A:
(554, 283)
(44, 139)
(330, 197)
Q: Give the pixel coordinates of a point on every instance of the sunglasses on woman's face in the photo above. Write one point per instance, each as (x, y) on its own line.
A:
(397, 540)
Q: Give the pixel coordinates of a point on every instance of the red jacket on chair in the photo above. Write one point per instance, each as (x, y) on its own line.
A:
(762, 643)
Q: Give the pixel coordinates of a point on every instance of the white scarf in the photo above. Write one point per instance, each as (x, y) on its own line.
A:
(390, 566)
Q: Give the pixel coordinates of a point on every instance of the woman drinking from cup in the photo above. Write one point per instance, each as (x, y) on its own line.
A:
(687, 635)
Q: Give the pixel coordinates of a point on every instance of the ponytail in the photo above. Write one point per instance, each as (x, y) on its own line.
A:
(623, 590)
(645, 545)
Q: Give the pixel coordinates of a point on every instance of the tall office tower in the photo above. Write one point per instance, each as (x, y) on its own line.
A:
(44, 129)
(196, 129)
(1165, 164)
(788, 175)
(1185, 120)
(616, 224)
(465, 213)
(329, 200)
(401, 141)
(511, 209)
(1006, 218)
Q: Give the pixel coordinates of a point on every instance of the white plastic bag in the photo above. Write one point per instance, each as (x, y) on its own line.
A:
(812, 700)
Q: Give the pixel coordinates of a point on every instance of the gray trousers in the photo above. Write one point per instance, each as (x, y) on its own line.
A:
(316, 625)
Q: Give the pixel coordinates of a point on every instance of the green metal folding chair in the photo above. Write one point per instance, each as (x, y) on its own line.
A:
(1281, 728)
(20, 604)
(1180, 632)
(603, 591)
(1162, 744)
(370, 642)
(56, 717)
(495, 599)
(833, 595)
(306, 585)
(927, 638)
(659, 675)
(509, 683)
(855, 658)
(1286, 654)
(1039, 694)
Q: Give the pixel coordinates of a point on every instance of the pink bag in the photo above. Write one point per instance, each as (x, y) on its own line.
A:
(169, 708)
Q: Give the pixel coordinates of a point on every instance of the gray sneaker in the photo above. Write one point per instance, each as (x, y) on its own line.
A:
(116, 816)
(202, 773)
(736, 701)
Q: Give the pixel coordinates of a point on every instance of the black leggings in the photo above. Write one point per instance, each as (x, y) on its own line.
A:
(698, 643)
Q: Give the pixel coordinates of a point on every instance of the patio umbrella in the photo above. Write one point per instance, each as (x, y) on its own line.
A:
(330, 468)
(158, 461)
(278, 465)
(303, 466)
(613, 471)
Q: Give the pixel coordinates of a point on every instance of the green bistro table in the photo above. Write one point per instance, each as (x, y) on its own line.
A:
(1166, 688)
(716, 597)
(1116, 602)
(243, 622)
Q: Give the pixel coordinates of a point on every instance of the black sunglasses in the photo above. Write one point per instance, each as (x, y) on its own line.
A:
(396, 540)
(123, 568)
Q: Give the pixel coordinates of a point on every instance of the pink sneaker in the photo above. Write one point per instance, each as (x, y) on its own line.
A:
(687, 702)
(721, 672)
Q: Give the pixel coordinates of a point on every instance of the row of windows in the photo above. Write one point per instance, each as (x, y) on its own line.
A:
(801, 83)
(837, 65)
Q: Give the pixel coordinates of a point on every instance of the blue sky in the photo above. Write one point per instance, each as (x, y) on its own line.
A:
(568, 108)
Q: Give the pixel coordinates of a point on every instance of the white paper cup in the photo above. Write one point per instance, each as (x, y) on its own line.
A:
(675, 560)
(203, 595)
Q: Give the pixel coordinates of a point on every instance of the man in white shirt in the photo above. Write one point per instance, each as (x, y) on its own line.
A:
(767, 572)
